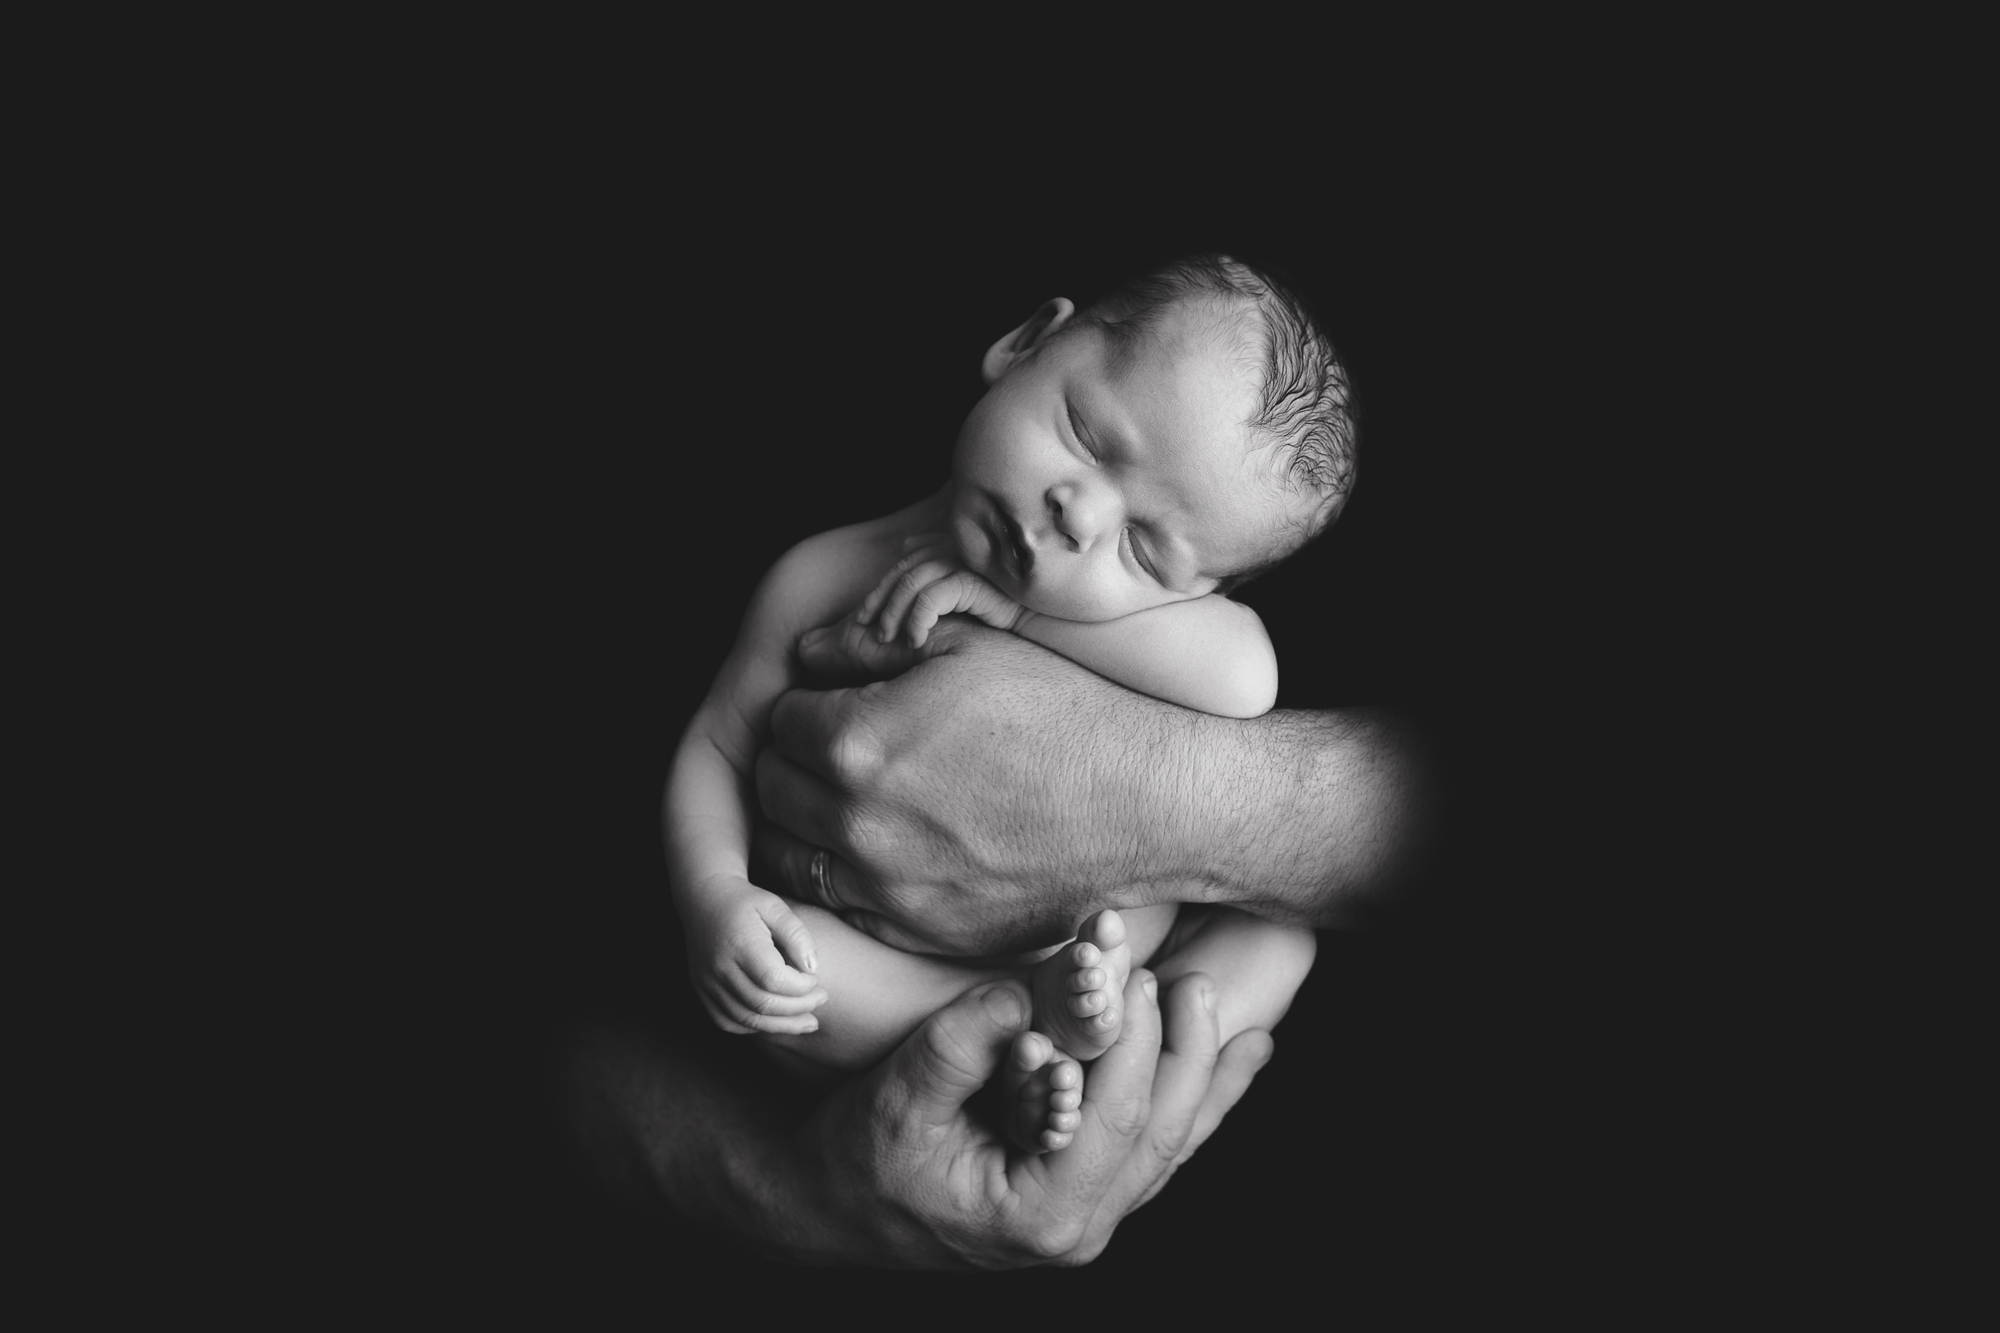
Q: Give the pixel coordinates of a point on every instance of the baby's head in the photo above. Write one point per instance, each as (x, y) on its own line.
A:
(1179, 436)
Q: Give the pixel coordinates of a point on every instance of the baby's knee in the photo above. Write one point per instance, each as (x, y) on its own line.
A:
(1292, 950)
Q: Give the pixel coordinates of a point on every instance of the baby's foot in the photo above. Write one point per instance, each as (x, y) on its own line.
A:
(1043, 1089)
(1078, 988)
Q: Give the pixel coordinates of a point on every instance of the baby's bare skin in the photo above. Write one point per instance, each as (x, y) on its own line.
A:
(1077, 1018)
(1103, 495)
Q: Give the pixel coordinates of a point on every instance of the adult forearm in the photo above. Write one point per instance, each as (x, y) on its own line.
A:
(1311, 817)
(994, 795)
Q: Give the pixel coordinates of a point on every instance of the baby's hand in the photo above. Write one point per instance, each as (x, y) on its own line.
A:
(740, 940)
(930, 582)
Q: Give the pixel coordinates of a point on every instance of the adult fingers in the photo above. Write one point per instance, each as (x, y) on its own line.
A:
(1117, 1097)
(953, 1055)
(1192, 1037)
(787, 862)
(1246, 1054)
(889, 932)
(807, 725)
(782, 862)
(802, 803)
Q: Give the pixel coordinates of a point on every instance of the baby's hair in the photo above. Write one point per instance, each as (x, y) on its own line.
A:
(1307, 408)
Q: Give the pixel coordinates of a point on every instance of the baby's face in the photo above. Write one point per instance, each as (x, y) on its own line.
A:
(1090, 482)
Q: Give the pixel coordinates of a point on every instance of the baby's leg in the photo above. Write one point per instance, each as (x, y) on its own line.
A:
(1257, 965)
(876, 995)
(1077, 993)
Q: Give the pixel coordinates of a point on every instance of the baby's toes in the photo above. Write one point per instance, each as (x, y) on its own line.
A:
(1042, 1088)
(1087, 979)
(1075, 1000)
(1059, 1111)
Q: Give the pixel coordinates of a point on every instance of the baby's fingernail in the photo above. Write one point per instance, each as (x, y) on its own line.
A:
(1151, 986)
(812, 1025)
(812, 963)
(1207, 999)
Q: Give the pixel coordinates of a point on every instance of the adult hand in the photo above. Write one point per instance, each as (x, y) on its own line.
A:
(984, 801)
(894, 1167)
(994, 794)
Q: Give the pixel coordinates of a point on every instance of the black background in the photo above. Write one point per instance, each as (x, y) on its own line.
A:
(551, 363)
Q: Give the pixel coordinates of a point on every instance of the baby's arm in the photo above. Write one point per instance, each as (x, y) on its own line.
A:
(750, 954)
(1208, 653)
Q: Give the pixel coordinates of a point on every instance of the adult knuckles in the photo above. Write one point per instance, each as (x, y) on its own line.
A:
(865, 837)
(1054, 1241)
(855, 752)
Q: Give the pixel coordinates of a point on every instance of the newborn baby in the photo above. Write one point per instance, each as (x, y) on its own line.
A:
(1128, 466)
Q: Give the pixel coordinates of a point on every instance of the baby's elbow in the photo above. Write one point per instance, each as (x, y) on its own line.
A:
(1248, 690)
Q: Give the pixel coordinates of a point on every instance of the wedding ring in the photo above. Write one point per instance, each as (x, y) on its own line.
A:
(822, 877)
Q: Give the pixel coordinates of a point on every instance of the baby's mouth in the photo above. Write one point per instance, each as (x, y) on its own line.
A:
(1021, 554)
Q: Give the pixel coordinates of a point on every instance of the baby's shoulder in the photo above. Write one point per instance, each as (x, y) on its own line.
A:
(818, 580)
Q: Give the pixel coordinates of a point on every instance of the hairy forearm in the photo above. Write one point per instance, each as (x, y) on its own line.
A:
(994, 795)
(1307, 817)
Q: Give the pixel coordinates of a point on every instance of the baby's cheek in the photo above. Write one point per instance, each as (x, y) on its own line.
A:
(1090, 597)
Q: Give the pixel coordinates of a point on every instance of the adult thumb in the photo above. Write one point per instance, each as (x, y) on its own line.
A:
(956, 1051)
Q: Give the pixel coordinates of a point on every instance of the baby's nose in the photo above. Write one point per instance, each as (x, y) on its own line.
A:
(1082, 513)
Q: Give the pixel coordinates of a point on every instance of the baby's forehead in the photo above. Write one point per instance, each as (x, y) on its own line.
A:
(1216, 348)
(1196, 381)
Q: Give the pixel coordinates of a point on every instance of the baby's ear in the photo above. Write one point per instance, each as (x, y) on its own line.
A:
(1001, 355)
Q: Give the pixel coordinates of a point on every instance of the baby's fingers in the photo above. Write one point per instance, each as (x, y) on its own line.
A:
(940, 599)
(789, 933)
(749, 1002)
(913, 582)
(880, 592)
(763, 982)
(752, 1010)
(788, 1025)
(784, 1027)
(718, 1013)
